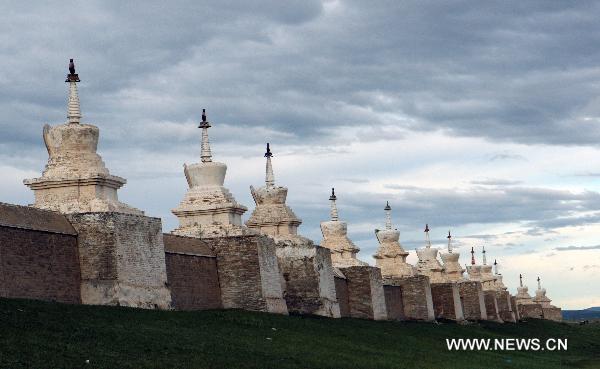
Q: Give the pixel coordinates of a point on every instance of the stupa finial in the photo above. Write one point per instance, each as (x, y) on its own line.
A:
(388, 215)
(539, 283)
(484, 258)
(495, 267)
(205, 154)
(521, 280)
(472, 256)
(73, 108)
(449, 242)
(427, 240)
(334, 212)
(269, 177)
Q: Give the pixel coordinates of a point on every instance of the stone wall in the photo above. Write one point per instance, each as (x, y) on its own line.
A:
(192, 273)
(513, 305)
(471, 295)
(122, 260)
(416, 296)
(504, 307)
(491, 305)
(365, 292)
(249, 275)
(393, 302)
(341, 292)
(446, 301)
(309, 279)
(552, 313)
(530, 311)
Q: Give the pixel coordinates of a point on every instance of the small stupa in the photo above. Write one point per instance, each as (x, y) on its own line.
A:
(335, 238)
(272, 216)
(208, 209)
(390, 256)
(76, 179)
(428, 263)
(522, 297)
(452, 268)
(499, 282)
(540, 296)
(474, 270)
(488, 280)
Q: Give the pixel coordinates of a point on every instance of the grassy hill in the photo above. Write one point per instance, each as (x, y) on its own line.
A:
(49, 335)
(592, 313)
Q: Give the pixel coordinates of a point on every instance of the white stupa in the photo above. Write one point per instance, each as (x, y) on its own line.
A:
(428, 263)
(540, 296)
(208, 209)
(76, 179)
(335, 238)
(452, 267)
(499, 283)
(390, 256)
(272, 216)
(522, 297)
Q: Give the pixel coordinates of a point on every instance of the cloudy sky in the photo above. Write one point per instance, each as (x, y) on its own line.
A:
(479, 117)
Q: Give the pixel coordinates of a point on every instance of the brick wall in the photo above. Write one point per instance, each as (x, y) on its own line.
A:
(504, 307)
(122, 260)
(248, 273)
(341, 291)
(365, 292)
(446, 301)
(416, 296)
(491, 305)
(193, 281)
(471, 295)
(39, 265)
(393, 302)
(191, 273)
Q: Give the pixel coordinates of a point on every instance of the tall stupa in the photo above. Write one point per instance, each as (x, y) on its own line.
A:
(76, 179)
(307, 270)
(390, 256)
(208, 209)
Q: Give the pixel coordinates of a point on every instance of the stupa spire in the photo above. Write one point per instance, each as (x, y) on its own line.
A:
(269, 177)
(388, 215)
(521, 280)
(539, 283)
(334, 212)
(73, 108)
(495, 267)
(449, 242)
(427, 240)
(484, 258)
(205, 154)
(472, 256)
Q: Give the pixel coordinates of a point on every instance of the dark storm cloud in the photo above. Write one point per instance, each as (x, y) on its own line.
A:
(523, 72)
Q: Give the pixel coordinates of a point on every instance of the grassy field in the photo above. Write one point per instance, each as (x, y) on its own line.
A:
(37, 334)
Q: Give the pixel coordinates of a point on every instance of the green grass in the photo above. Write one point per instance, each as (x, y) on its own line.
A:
(38, 334)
